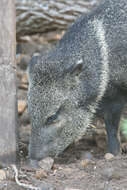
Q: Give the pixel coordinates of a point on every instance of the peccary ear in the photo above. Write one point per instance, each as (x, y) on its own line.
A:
(76, 69)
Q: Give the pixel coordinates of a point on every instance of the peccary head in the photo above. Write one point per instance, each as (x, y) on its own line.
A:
(56, 104)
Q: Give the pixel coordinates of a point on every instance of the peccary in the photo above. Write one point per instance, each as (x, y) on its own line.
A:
(84, 75)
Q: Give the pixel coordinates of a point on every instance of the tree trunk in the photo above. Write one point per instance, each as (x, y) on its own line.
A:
(7, 82)
(39, 16)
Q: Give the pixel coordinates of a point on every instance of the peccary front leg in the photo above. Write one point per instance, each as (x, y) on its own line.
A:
(112, 119)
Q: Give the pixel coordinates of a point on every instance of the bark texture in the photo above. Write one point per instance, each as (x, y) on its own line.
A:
(39, 16)
(7, 82)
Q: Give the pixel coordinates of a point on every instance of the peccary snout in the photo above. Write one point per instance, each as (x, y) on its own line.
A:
(56, 110)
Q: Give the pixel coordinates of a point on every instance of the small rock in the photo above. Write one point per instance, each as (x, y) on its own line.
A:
(109, 156)
(40, 174)
(46, 164)
(21, 106)
(2, 175)
(84, 163)
(23, 86)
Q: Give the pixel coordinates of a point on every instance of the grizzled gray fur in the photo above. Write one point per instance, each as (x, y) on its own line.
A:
(85, 75)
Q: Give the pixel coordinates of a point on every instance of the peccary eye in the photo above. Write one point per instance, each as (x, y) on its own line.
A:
(51, 119)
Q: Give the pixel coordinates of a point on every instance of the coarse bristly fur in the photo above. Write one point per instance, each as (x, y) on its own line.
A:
(83, 76)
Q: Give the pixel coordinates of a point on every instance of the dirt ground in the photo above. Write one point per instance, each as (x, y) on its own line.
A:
(83, 166)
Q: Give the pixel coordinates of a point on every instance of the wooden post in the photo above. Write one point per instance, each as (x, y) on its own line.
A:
(8, 108)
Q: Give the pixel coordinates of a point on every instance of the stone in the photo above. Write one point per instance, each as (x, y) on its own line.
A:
(40, 174)
(109, 156)
(2, 175)
(46, 164)
(21, 106)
